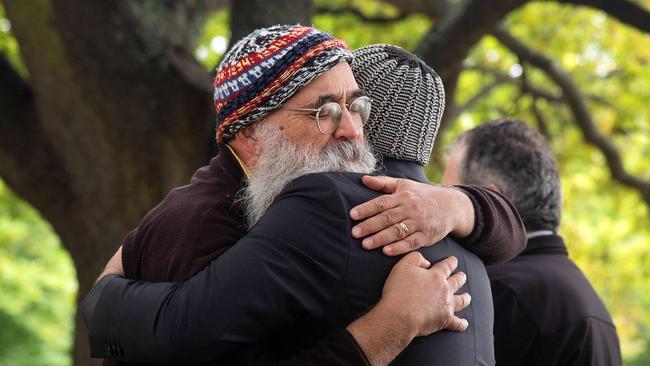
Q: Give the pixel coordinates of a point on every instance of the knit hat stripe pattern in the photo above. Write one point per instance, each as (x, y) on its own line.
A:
(408, 100)
(260, 82)
(266, 68)
(228, 86)
(244, 64)
(267, 86)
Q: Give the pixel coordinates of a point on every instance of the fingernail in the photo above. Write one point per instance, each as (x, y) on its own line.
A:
(367, 243)
(354, 213)
(356, 231)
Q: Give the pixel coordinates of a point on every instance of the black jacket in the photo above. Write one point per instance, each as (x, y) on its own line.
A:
(547, 313)
(295, 277)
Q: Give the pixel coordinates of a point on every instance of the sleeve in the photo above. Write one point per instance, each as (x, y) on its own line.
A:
(336, 348)
(499, 234)
(130, 255)
(271, 278)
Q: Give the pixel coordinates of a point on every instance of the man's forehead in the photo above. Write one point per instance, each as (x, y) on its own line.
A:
(338, 82)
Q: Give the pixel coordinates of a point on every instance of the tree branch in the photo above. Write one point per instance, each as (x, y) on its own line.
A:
(461, 27)
(533, 90)
(578, 105)
(526, 86)
(471, 102)
(433, 8)
(542, 126)
(191, 70)
(359, 14)
(625, 11)
(216, 5)
(447, 45)
(247, 15)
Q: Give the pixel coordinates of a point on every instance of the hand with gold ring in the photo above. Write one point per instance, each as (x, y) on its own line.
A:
(411, 215)
(403, 230)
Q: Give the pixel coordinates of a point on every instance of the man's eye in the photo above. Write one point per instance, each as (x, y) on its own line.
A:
(361, 106)
(328, 110)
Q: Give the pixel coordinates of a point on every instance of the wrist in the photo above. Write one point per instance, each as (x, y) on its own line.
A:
(401, 324)
(465, 215)
(107, 273)
(382, 333)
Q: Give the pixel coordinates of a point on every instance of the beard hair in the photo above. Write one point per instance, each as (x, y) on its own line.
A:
(281, 161)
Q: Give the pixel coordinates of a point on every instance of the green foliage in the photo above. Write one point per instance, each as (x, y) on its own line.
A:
(38, 286)
(213, 43)
(8, 44)
(406, 33)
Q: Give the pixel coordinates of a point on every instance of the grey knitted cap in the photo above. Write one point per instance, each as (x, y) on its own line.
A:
(407, 101)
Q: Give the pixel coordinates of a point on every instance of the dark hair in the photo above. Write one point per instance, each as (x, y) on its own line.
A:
(515, 158)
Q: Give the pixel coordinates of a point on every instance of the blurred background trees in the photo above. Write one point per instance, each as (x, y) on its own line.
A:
(105, 106)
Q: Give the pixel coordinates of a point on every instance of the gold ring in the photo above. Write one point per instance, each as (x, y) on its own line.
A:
(404, 229)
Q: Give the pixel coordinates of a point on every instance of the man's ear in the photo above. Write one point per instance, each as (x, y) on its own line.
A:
(245, 145)
(493, 187)
(245, 141)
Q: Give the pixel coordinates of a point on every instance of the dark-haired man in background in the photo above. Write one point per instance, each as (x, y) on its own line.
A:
(546, 312)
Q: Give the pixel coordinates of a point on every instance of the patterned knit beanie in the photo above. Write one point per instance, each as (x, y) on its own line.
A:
(266, 68)
(407, 101)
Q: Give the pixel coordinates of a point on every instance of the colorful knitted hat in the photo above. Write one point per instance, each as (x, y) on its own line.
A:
(266, 68)
(407, 101)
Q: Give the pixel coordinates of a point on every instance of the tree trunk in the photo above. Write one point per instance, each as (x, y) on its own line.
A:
(108, 124)
(115, 113)
(248, 15)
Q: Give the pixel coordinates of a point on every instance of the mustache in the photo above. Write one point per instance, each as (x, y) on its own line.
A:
(348, 150)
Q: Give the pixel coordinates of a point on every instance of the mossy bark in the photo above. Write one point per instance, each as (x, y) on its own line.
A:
(107, 121)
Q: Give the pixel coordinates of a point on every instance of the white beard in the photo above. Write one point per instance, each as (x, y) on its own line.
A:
(281, 161)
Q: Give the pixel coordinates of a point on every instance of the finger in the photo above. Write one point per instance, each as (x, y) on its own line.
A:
(373, 207)
(462, 301)
(408, 244)
(457, 324)
(456, 281)
(381, 183)
(386, 220)
(415, 259)
(446, 266)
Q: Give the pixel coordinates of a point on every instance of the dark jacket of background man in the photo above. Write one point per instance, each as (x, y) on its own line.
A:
(547, 313)
(299, 275)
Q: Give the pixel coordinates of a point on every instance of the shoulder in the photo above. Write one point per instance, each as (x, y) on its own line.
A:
(551, 288)
(310, 211)
(329, 190)
(329, 182)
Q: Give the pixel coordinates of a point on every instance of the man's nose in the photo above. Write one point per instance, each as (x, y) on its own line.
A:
(349, 128)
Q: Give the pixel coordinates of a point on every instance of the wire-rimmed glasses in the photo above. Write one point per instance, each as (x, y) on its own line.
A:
(328, 116)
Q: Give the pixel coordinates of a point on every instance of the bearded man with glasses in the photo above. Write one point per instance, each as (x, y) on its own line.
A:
(287, 107)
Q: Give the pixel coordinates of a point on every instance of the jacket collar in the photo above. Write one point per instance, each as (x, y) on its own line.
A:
(226, 159)
(403, 169)
(545, 244)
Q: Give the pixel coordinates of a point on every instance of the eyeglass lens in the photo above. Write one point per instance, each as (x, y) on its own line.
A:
(329, 114)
